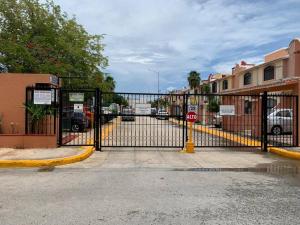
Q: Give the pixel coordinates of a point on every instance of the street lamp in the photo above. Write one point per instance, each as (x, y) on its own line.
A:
(157, 72)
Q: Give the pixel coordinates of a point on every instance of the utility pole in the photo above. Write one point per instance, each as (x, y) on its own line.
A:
(157, 72)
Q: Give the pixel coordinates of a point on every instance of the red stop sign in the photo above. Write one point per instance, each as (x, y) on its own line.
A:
(191, 117)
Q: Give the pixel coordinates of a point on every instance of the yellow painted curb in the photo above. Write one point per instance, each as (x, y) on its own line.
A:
(285, 153)
(243, 140)
(47, 162)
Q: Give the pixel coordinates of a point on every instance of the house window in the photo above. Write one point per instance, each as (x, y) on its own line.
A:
(269, 73)
(247, 78)
(225, 84)
(247, 107)
(214, 87)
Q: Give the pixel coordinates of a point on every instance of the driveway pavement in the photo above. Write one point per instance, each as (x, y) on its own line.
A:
(155, 187)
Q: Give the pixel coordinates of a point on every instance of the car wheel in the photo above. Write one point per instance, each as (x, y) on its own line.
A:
(75, 128)
(276, 130)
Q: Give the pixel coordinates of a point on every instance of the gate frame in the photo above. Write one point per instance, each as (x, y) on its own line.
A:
(98, 116)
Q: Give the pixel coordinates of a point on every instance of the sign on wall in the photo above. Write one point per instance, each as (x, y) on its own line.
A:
(42, 97)
(78, 108)
(227, 110)
(76, 97)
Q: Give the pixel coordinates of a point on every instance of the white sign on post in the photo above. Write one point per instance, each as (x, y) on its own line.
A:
(78, 108)
(76, 97)
(192, 108)
(144, 109)
(42, 97)
(227, 110)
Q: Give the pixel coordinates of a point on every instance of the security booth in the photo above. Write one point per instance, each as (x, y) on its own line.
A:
(28, 115)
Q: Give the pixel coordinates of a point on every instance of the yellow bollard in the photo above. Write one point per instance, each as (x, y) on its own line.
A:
(190, 147)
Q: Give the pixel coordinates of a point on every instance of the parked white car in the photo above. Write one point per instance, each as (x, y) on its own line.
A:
(280, 121)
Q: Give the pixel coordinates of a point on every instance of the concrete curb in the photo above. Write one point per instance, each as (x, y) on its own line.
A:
(47, 162)
(285, 153)
(249, 141)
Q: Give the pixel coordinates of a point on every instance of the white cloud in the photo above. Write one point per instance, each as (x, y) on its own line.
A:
(176, 36)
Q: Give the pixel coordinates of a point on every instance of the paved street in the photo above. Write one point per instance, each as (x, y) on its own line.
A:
(141, 185)
(151, 132)
(155, 187)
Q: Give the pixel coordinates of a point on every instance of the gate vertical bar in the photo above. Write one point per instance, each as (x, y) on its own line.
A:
(100, 119)
(183, 120)
(297, 120)
(96, 120)
(60, 98)
(26, 111)
(265, 121)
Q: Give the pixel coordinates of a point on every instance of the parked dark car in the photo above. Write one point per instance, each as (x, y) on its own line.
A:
(153, 112)
(75, 121)
(127, 115)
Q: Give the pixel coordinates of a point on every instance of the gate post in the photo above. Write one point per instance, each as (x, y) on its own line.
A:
(183, 119)
(96, 119)
(264, 122)
(60, 111)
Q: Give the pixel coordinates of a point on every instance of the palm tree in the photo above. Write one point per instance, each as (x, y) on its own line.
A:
(110, 83)
(194, 79)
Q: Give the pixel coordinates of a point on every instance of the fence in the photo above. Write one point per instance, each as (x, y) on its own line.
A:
(41, 111)
(106, 119)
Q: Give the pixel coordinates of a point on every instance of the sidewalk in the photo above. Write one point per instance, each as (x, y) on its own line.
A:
(25, 154)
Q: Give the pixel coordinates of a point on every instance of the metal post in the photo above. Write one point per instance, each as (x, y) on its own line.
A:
(297, 120)
(96, 119)
(26, 111)
(60, 98)
(183, 120)
(100, 119)
(158, 82)
(265, 121)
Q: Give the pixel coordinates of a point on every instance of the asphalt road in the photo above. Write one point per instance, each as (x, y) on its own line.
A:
(157, 186)
(151, 132)
(81, 196)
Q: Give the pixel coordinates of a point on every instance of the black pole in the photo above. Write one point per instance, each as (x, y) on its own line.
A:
(297, 120)
(186, 111)
(60, 113)
(96, 119)
(26, 111)
(265, 121)
(100, 119)
(183, 120)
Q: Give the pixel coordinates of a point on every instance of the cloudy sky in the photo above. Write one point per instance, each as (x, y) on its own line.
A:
(174, 37)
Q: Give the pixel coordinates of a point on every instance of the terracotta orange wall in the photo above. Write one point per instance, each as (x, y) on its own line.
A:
(276, 55)
(12, 98)
(294, 59)
(28, 141)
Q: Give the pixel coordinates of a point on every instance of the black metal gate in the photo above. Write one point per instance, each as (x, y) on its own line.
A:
(106, 119)
(77, 117)
(141, 120)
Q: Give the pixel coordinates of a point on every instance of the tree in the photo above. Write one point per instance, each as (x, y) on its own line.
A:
(205, 89)
(213, 105)
(39, 38)
(213, 102)
(159, 103)
(194, 79)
